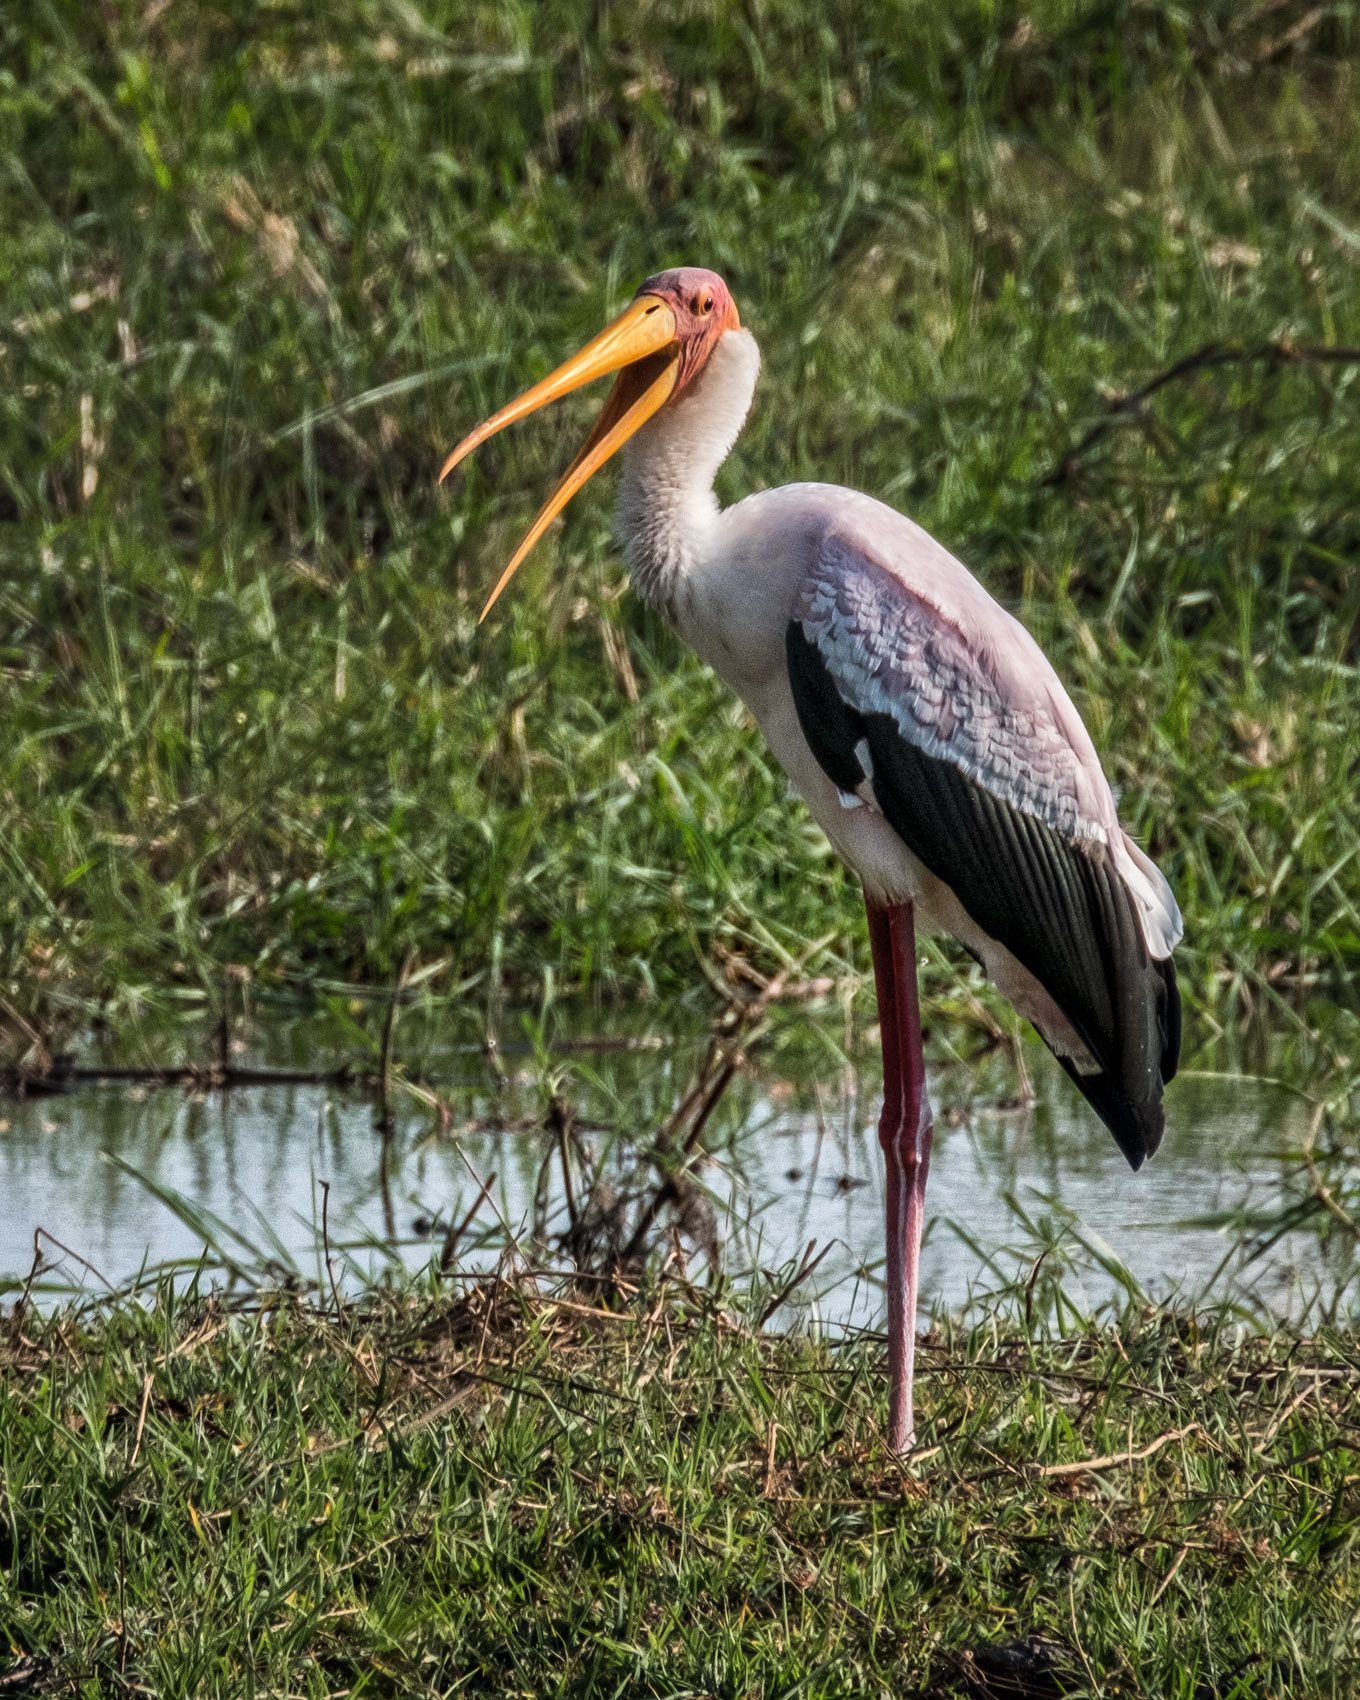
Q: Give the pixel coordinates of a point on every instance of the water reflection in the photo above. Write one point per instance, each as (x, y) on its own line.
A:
(135, 1179)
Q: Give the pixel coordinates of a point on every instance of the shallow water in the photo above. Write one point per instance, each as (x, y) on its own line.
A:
(131, 1179)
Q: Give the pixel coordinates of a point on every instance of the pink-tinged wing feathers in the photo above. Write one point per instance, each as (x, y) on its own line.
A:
(966, 682)
(981, 699)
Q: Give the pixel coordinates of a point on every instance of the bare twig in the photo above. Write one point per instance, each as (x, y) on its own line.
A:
(148, 1381)
(1170, 1576)
(389, 1034)
(806, 1268)
(21, 1307)
(37, 1044)
(60, 1079)
(326, 1246)
(29, 1674)
(1280, 1418)
(386, 1136)
(58, 1075)
(1321, 1191)
(737, 1022)
(484, 1191)
(589, 1044)
(560, 1120)
(1112, 1460)
(453, 1238)
(669, 1190)
(1268, 51)
(84, 1262)
(1029, 1288)
(1202, 359)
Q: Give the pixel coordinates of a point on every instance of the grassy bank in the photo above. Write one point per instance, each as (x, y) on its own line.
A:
(497, 1493)
(1075, 285)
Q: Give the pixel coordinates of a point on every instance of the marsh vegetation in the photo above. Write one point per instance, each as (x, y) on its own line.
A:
(1073, 285)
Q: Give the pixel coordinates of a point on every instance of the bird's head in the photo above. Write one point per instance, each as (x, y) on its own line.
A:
(658, 345)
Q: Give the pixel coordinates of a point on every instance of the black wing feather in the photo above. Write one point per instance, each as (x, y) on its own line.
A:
(1058, 907)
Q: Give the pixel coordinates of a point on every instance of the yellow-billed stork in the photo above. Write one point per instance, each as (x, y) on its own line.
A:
(921, 723)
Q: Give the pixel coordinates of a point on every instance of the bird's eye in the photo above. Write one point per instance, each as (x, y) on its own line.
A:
(706, 304)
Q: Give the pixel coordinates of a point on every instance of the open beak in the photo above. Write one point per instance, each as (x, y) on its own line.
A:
(640, 346)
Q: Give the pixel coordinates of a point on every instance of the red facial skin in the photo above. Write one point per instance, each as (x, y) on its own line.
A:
(703, 309)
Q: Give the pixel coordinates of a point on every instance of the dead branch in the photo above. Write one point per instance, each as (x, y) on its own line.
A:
(737, 1022)
(1206, 358)
(1112, 1460)
(807, 1267)
(448, 1251)
(1320, 1190)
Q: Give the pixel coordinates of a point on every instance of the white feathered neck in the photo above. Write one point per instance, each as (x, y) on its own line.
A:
(667, 508)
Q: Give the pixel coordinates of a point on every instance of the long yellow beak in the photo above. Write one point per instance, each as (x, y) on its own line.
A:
(641, 346)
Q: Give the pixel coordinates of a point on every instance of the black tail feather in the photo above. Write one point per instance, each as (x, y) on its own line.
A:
(1137, 1124)
(1169, 1019)
(1131, 1107)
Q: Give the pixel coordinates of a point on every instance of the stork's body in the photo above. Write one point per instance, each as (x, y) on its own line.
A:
(922, 725)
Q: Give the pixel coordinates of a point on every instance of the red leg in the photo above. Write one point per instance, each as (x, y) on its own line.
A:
(904, 1131)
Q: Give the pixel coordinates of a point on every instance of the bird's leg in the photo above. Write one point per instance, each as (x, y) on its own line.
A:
(904, 1131)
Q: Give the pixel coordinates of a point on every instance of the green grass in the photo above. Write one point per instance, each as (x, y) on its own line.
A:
(497, 1494)
(259, 268)
(262, 267)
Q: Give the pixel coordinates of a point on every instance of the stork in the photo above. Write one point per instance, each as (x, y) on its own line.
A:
(922, 725)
